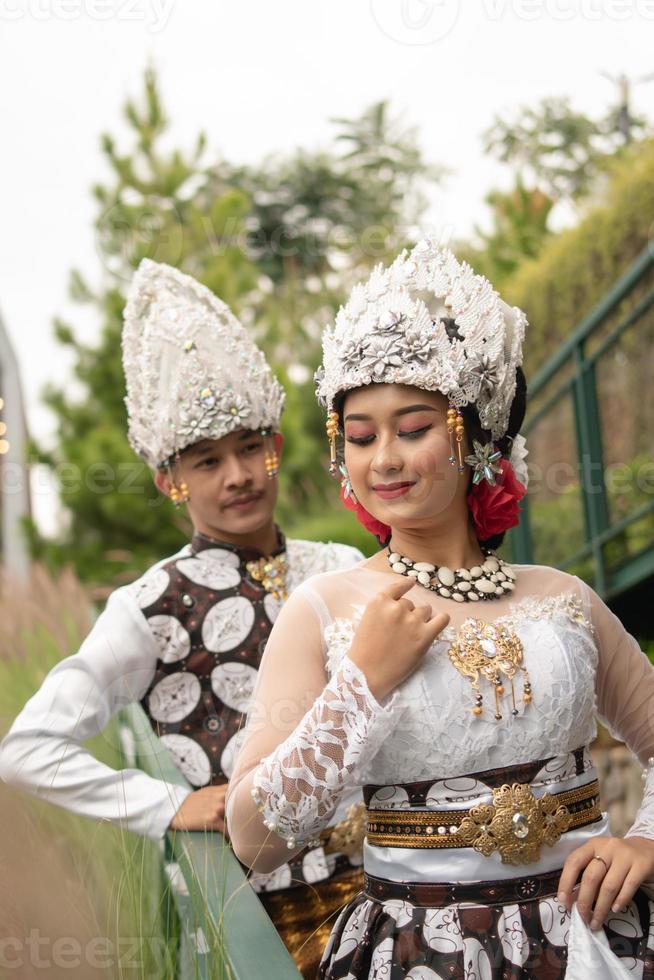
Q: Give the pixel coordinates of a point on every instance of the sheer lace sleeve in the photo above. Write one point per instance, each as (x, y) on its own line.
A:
(307, 736)
(625, 697)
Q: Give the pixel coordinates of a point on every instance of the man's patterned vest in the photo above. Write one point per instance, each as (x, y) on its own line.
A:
(211, 621)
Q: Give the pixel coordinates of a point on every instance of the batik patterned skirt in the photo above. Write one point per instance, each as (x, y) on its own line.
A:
(431, 911)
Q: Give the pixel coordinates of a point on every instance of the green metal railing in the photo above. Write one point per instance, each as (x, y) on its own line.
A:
(224, 931)
(572, 375)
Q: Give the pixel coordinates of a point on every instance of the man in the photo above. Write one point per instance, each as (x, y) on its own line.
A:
(186, 639)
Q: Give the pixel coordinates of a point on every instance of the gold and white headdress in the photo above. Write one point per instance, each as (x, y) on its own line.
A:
(192, 370)
(391, 330)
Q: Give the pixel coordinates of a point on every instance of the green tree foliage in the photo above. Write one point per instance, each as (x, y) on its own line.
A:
(550, 146)
(555, 154)
(117, 523)
(280, 243)
(578, 266)
(519, 229)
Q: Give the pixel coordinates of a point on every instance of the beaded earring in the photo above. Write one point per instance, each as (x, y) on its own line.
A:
(456, 431)
(181, 495)
(271, 458)
(331, 427)
(178, 495)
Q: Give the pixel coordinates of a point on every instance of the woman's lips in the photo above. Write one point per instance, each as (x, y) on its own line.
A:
(390, 490)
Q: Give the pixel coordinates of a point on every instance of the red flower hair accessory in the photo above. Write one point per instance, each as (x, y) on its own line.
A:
(496, 508)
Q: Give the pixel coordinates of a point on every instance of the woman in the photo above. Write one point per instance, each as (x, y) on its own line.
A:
(461, 692)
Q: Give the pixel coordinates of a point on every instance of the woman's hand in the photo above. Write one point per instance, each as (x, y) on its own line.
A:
(393, 637)
(613, 869)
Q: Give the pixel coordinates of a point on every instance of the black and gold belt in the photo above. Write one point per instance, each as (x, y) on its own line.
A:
(504, 891)
(516, 824)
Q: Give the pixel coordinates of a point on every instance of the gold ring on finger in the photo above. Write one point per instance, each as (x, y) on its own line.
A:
(598, 857)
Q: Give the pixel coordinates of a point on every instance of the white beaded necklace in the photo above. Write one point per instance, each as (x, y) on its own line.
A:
(490, 580)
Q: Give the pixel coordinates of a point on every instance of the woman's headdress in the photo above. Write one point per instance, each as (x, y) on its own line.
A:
(392, 330)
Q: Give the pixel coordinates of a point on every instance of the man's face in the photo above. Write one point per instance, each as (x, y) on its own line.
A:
(229, 490)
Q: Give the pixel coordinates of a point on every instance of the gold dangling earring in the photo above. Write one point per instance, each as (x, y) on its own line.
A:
(179, 495)
(460, 432)
(331, 427)
(271, 458)
(451, 426)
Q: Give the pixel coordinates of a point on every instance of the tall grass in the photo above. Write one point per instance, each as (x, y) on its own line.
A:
(78, 898)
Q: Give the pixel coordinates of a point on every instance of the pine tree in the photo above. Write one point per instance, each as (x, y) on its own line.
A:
(281, 243)
(117, 522)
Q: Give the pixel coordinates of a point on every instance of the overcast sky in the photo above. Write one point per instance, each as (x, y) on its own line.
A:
(259, 77)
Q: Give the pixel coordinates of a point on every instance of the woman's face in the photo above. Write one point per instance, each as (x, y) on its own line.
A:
(397, 450)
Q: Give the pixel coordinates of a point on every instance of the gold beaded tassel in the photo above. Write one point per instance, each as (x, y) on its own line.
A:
(178, 495)
(460, 432)
(451, 425)
(271, 458)
(331, 427)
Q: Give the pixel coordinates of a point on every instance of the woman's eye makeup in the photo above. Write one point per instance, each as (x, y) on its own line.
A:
(415, 433)
(362, 438)
(359, 436)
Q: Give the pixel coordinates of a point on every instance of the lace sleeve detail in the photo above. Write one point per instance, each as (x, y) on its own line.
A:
(625, 693)
(298, 786)
(643, 825)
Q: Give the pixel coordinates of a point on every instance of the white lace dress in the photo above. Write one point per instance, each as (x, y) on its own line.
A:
(316, 730)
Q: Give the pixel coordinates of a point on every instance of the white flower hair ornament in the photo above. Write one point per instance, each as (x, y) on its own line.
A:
(518, 460)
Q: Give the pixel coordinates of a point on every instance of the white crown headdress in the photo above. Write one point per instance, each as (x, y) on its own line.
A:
(390, 331)
(192, 370)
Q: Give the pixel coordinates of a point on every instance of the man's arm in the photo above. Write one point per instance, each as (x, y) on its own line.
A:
(43, 752)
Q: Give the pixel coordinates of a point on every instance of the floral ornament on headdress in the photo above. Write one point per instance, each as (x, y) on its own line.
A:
(484, 462)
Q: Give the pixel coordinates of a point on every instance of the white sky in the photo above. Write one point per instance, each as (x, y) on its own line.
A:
(259, 77)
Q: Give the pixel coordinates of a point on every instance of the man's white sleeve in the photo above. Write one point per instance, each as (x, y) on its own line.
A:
(43, 752)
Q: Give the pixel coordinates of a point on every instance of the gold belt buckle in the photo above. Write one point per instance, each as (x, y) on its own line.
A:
(515, 824)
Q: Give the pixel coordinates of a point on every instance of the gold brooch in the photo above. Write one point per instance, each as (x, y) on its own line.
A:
(271, 573)
(493, 652)
(516, 824)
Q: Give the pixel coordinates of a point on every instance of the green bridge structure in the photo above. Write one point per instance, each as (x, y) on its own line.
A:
(590, 433)
(590, 510)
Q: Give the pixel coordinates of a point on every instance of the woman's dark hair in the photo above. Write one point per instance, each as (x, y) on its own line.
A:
(474, 430)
